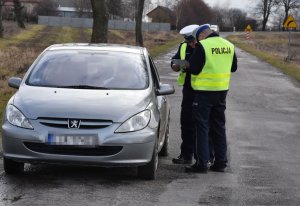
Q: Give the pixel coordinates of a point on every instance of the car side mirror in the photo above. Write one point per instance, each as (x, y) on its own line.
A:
(14, 82)
(165, 89)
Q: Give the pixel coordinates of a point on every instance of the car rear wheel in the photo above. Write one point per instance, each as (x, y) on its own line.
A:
(12, 167)
(164, 150)
(148, 171)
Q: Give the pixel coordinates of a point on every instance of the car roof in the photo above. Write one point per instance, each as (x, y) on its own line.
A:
(97, 47)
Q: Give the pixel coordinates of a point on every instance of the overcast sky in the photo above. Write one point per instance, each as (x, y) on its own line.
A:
(245, 5)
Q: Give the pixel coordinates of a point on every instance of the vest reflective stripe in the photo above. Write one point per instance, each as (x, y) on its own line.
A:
(215, 75)
(181, 77)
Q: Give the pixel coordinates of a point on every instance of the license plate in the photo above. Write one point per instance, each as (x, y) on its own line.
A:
(71, 139)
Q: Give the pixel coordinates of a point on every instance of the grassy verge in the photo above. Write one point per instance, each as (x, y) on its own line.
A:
(291, 68)
(28, 33)
(156, 50)
(64, 35)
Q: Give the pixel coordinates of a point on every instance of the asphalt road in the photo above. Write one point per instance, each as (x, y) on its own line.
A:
(263, 128)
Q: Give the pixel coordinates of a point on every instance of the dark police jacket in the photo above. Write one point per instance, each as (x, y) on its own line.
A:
(189, 52)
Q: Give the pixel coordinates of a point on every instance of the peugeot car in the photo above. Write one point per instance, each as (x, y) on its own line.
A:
(88, 104)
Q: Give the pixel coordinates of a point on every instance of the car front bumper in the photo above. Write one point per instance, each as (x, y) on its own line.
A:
(30, 146)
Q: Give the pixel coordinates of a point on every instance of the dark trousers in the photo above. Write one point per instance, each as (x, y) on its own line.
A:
(187, 126)
(209, 116)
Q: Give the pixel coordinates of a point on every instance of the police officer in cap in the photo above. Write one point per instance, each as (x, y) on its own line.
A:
(184, 52)
(210, 66)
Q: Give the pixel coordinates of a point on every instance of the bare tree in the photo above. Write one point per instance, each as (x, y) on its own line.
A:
(288, 5)
(227, 19)
(264, 8)
(1, 25)
(170, 3)
(100, 23)
(128, 9)
(221, 18)
(296, 14)
(115, 8)
(192, 12)
(82, 6)
(47, 8)
(178, 11)
(138, 22)
(18, 11)
(239, 18)
(278, 20)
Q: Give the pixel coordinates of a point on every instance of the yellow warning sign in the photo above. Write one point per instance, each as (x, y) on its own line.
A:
(290, 22)
(248, 28)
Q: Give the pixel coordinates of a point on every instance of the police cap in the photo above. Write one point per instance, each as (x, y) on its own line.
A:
(187, 32)
(200, 29)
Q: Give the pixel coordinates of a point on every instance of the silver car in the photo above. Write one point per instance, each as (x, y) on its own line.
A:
(88, 104)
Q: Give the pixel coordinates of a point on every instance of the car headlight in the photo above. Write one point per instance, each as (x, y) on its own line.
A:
(135, 123)
(15, 117)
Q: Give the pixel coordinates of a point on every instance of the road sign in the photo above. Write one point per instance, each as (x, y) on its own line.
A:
(248, 28)
(290, 22)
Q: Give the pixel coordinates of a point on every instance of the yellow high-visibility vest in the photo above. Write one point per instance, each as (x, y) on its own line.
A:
(215, 75)
(182, 75)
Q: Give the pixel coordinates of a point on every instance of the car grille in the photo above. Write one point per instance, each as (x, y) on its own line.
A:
(85, 123)
(73, 150)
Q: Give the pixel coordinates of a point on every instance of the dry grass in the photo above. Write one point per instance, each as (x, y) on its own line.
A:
(10, 29)
(151, 39)
(273, 43)
(277, 44)
(273, 48)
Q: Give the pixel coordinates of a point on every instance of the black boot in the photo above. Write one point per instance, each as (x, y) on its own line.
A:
(195, 169)
(218, 167)
(181, 160)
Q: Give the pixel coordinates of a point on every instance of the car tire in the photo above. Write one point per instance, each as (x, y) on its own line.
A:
(148, 171)
(165, 149)
(12, 167)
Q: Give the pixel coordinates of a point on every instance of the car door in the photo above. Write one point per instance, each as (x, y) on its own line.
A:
(161, 103)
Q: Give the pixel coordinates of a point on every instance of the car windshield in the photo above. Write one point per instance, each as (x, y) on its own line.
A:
(90, 70)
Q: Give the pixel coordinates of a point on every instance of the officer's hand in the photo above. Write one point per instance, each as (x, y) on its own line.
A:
(187, 64)
(175, 67)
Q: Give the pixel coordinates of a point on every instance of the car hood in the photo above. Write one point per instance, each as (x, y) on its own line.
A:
(114, 105)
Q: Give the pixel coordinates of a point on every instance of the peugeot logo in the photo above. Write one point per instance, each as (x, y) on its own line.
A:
(74, 123)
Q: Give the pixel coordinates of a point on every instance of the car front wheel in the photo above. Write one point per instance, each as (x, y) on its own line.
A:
(164, 150)
(148, 171)
(12, 167)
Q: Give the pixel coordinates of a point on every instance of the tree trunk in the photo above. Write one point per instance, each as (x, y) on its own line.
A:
(286, 13)
(100, 23)
(18, 11)
(264, 23)
(1, 25)
(138, 23)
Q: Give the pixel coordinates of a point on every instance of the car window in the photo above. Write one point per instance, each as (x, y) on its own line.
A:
(154, 73)
(86, 69)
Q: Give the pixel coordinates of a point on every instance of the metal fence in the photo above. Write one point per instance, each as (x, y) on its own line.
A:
(112, 24)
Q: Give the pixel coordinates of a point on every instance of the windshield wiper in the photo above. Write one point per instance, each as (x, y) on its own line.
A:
(83, 87)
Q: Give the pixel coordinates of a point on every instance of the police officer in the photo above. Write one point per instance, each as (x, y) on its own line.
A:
(211, 65)
(184, 52)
